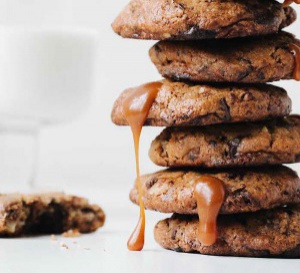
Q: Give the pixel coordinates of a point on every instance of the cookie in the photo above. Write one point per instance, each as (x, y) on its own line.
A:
(228, 145)
(245, 60)
(272, 233)
(247, 190)
(290, 17)
(50, 213)
(187, 104)
(190, 20)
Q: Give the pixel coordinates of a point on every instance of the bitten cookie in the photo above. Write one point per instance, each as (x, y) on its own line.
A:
(272, 233)
(190, 20)
(187, 104)
(248, 60)
(229, 145)
(246, 189)
(50, 213)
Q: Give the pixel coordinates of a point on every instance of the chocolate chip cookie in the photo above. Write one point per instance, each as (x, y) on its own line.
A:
(50, 213)
(187, 104)
(272, 233)
(191, 20)
(229, 145)
(247, 60)
(247, 189)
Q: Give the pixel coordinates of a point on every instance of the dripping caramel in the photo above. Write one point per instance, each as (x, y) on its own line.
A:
(136, 107)
(286, 3)
(209, 193)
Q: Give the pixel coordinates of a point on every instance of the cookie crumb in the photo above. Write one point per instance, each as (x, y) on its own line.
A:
(72, 233)
(63, 245)
(53, 237)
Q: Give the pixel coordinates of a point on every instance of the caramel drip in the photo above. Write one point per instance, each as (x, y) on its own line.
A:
(296, 50)
(209, 193)
(286, 3)
(136, 107)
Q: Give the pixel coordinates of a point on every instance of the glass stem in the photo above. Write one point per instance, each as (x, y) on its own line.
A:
(35, 160)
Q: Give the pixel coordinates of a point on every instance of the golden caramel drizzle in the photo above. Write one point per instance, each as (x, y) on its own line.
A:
(136, 107)
(286, 3)
(209, 193)
(296, 50)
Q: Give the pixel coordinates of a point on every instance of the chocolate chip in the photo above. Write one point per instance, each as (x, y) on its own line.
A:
(261, 76)
(213, 143)
(194, 154)
(178, 249)
(181, 6)
(157, 48)
(247, 96)
(173, 235)
(224, 107)
(244, 74)
(297, 157)
(232, 97)
(233, 146)
(150, 183)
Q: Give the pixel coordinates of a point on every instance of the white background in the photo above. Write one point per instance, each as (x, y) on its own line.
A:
(92, 151)
(91, 156)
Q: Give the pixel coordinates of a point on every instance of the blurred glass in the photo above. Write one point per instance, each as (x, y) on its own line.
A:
(31, 12)
(47, 73)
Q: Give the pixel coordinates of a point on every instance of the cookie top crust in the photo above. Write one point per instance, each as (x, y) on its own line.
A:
(188, 104)
(201, 19)
(245, 60)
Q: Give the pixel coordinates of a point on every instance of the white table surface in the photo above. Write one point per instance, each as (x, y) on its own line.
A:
(105, 250)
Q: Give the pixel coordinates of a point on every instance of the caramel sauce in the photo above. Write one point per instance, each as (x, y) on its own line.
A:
(136, 107)
(296, 50)
(209, 193)
(286, 3)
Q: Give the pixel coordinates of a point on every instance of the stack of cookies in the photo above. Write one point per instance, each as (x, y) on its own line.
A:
(223, 123)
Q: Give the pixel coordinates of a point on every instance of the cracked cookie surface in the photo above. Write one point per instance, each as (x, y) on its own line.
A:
(187, 104)
(201, 19)
(246, 189)
(50, 213)
(272, 233)
(229, 145)
(245, 60)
